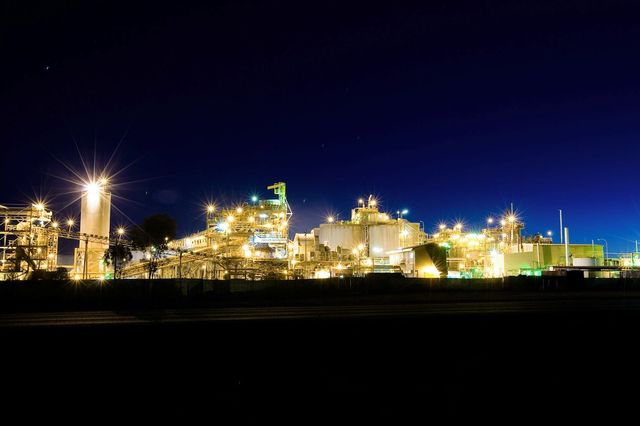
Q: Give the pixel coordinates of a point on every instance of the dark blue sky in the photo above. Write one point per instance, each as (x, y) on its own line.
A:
(451, 109)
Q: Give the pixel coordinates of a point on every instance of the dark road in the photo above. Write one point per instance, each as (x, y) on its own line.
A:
(167, 316)
(454, 357)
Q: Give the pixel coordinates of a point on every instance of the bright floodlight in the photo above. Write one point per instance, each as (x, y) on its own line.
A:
(92, 188)
(490, 220)
(442, 226)
(39, 206)
(330, 219)
(405, 211)
(120, 231)
(239, 210)
(54, 224)
(211, 208)
(511, 218)
(549, 233)
(70, 222)
(254, 198)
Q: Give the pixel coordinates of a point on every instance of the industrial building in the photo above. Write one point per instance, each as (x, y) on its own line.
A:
(250, 240)
(28, 243)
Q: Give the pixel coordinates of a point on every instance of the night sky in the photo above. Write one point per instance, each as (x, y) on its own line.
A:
(450, 109)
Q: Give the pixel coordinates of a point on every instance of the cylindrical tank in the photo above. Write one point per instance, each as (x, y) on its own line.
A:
(584, 261)
(95, 215)
(347, 236)
(383, 238)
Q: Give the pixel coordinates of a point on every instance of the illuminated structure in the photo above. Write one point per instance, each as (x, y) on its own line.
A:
(357, 246)
(95, 216)
(250, 240)
(29, 242)
(247, 240)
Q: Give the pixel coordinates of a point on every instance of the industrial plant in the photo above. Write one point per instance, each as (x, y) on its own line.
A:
(250, 240)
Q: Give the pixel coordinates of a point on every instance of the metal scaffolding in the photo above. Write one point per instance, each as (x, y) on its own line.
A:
(247, 240)
(28, 244)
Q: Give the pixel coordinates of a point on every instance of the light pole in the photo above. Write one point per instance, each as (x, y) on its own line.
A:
(120, 233)
(606, 248)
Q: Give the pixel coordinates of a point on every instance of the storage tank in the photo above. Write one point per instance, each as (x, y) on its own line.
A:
(345, 235)
(584, 261)
(95, 214)
(383, 238)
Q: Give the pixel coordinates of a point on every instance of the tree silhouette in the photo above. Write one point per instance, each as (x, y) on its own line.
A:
(152, 236)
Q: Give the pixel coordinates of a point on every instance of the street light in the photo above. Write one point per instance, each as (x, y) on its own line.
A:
(606, 248)
(330, 219)
(70, 223)
(116, 267)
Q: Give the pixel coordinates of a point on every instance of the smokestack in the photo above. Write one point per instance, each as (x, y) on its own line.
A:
(566, 246)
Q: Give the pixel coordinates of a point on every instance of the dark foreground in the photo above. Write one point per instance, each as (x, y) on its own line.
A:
(574, 356)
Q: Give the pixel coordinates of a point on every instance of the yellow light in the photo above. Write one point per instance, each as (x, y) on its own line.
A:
(120, 231)
(239, 210)
(458, 226)
(490, 220)
(230, 218)
(252, 219)
(92, 188)
(215, 247)
(211, 208)
(54, 224)
(360, 247)
(76, 277)
(442, 226)
(322, 274)
(430, 272)
(355, 251)
(70, 222)
(373, 203)
(511, 218)
(360, 201)
(503, 222)
(330, 219)
(39, 206)
(104, 181)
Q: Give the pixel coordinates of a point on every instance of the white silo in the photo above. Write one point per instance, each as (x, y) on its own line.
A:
(95, 217)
